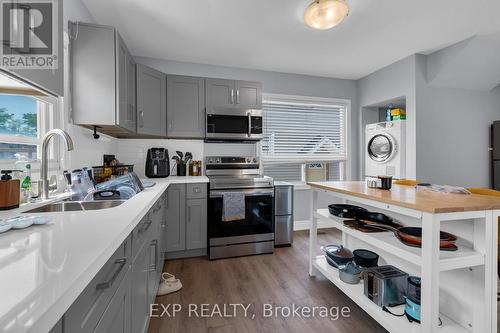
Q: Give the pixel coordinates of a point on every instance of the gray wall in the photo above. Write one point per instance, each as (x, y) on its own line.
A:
(453, 132)
(276, 83)
(393, 81)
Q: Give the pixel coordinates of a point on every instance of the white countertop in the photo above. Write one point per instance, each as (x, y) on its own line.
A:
(44, 268)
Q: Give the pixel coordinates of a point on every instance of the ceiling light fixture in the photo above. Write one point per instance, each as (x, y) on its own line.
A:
(325, 14)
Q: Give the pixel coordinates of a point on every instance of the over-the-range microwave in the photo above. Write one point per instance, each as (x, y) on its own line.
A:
(233, 124)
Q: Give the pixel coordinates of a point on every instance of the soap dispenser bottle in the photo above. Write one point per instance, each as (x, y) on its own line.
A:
(9, 191)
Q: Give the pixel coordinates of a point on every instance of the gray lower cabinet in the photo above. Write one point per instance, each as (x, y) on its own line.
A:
(186, 226)
(222, 93)
(196, 224)
(185, 107)
(87, 310)
(118, 299)
(176, 218)
(116, 318)
(139, 291)
(151, 101)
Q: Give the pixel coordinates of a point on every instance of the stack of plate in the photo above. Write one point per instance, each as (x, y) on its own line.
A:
(23, 221)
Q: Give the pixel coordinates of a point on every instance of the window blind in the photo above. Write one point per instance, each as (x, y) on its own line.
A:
(284, 172)
(298, 132)
(293, 172)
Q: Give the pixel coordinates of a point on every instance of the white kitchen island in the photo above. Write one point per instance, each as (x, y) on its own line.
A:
(459, 288)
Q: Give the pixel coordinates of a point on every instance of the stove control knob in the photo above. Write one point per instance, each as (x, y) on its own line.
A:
(248, 160)
(254, 160)
(210, 161)
(217, 160)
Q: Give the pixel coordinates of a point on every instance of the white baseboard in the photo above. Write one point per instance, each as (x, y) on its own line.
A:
(306, 224)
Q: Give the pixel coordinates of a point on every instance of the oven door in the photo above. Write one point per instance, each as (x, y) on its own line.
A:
(258, 221)
(234, 124)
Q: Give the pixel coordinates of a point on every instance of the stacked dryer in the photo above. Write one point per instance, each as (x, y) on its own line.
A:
(385, 149)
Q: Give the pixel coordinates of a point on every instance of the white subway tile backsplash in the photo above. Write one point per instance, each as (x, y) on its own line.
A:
(133, 151)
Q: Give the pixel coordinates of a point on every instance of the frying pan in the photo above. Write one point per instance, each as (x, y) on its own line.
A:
(376, 217)
(413, 235)
(346, 211)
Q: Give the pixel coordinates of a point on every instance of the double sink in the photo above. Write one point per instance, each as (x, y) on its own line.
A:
(72, 206)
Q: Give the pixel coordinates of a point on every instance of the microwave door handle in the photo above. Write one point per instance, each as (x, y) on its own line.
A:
(249, 124)
(232, 96)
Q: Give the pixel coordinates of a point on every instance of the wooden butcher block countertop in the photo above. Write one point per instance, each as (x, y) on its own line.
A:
(409, 197)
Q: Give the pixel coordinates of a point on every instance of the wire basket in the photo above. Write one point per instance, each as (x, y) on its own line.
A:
(105, 173)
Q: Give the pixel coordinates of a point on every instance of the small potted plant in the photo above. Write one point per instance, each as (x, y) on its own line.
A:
(182, 161)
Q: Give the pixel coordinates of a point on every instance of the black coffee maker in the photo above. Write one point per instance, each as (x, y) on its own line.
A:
(157, 163)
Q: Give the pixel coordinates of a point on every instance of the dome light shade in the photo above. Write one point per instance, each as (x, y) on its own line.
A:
(325, 14)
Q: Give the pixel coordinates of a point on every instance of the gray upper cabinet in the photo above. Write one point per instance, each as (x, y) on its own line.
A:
(220, 93)
(229, 93)
(51, 80)
(151, 102)
(125, 69)
(196, 224)
(102, 80)
(185, 107)
(248, 94)
(176, 217)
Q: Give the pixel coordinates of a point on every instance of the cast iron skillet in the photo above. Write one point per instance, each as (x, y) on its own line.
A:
(346, 211)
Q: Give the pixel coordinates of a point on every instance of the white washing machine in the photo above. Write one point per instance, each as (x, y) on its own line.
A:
(385, 147)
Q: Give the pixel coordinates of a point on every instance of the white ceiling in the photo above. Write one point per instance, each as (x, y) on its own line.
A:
(270, 34)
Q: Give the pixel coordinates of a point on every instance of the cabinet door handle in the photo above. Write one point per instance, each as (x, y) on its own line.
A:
(154, 266)
(232, 96)
(145, 226)
(237, 96)
(141, 120)
(105, 285)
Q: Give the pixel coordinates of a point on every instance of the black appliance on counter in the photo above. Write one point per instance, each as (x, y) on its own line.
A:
(157, 163)
(255, 233)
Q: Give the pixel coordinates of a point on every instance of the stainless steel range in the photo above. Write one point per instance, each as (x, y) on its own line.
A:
(253, 234)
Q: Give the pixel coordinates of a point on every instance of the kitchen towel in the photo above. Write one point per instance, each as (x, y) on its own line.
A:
(233, 206)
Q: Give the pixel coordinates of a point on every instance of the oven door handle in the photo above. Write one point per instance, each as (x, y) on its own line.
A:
(248, 193)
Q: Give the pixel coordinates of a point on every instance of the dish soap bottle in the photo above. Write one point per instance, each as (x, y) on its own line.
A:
(26, 184)
(22, 172)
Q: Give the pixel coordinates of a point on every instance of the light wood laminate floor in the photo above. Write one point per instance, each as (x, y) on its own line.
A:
(280, 279)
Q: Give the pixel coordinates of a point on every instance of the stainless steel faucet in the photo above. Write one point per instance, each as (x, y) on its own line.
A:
(45, 160)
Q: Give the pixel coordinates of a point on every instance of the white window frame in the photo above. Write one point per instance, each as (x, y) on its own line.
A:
(345, 170)
(48, 118)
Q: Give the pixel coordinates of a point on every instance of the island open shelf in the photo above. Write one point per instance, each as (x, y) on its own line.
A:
(385, 241)
(390, 322)
(458, 287)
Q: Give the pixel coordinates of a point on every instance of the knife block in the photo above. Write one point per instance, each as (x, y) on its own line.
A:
(9, 194)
